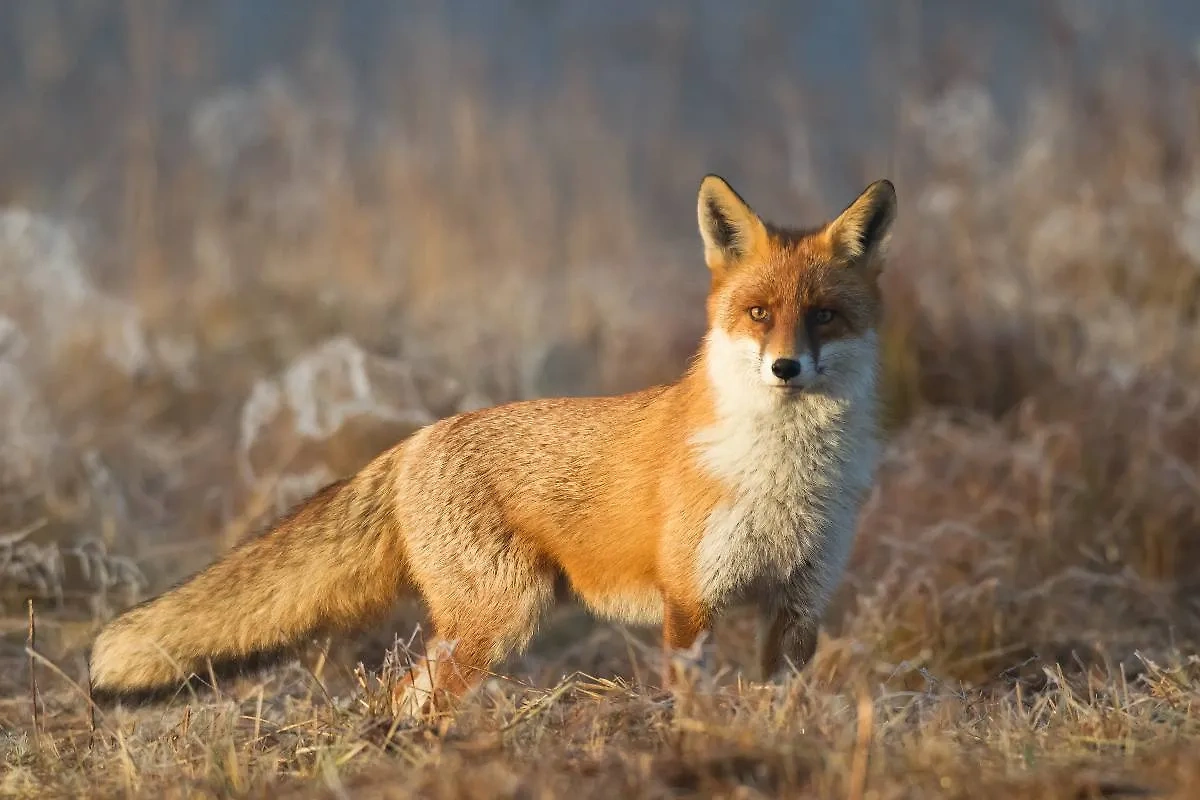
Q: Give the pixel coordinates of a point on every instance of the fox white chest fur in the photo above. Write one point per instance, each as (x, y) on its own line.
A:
(796, 470)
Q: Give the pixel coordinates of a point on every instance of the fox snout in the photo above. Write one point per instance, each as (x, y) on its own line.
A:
(785, 368)
(792, 370)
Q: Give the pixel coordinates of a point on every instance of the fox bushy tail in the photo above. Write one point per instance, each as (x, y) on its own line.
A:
(334, 562)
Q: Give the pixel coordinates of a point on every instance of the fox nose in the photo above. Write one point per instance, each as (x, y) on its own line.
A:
(785, 368)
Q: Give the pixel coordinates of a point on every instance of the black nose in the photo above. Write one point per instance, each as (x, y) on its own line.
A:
(785, 368)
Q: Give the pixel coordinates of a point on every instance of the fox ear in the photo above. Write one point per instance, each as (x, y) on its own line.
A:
(730, 228)
(862, 232)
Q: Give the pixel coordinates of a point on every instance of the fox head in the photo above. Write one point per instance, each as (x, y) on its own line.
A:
(793, 312)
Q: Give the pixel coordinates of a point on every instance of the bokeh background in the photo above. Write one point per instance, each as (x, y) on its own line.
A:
(247, 244)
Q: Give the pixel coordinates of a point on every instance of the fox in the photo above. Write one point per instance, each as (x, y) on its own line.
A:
(740, 483)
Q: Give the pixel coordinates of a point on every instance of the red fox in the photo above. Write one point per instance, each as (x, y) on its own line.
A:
(739, 483)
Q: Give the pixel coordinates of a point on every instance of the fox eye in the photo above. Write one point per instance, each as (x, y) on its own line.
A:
(824, 316)
(758, 314)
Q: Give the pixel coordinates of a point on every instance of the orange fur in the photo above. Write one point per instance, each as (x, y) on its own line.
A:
(664, 505)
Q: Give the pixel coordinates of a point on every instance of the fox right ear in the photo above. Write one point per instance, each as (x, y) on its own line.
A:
(862, 232)
(730, 228)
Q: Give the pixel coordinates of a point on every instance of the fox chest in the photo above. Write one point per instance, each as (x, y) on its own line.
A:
(790, 506)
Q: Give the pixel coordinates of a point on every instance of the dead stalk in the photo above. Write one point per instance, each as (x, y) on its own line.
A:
(31, 641)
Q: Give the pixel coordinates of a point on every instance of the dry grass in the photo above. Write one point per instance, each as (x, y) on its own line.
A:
(226, 297)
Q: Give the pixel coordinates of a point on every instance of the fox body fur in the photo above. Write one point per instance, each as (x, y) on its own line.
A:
(741, 482)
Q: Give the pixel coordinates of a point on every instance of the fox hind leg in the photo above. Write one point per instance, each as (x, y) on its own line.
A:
(449, 669)
(473, 632)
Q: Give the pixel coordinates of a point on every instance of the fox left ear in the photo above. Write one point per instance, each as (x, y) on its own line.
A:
(862, 232)
(732, 232)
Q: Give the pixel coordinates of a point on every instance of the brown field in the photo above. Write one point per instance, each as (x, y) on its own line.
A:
(214, 299)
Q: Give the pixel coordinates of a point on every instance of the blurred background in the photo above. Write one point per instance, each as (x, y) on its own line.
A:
(247, 244)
